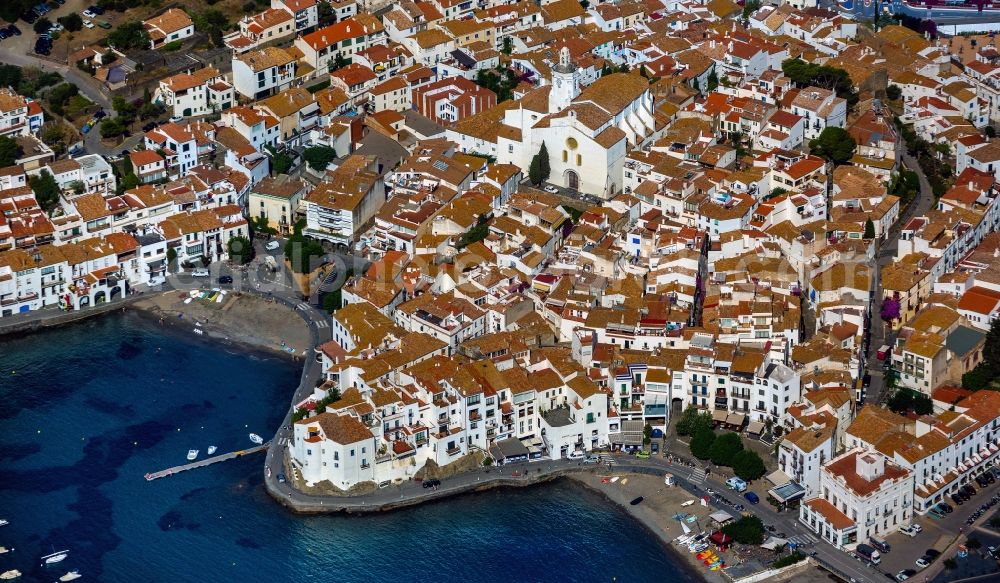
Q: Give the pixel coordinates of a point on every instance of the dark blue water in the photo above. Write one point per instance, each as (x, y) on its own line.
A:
(85, 411)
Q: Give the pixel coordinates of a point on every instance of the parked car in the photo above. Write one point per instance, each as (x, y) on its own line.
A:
(654, 448)
(905, 574)
(550, 189)
(575, 455)
(88, 14)
(96, 9)
(176, 119)
(14, 30)
(431, 483)
(591, 459)
(752, 498)
(880, 544)
(908, 530)
(737, 484)
(3, 33)
(104, 24)
(947, 508)
(281, 478)
(958, 498)
(201, 272)
(384, 484)
(932, 553)
(88, 24)
(969, 490)
(225, 279)
(917, 528)
(924, 561)
(272, 245)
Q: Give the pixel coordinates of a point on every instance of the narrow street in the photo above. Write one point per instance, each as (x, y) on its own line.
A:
(885, 255)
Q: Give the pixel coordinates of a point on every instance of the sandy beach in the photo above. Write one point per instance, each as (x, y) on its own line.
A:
(238, 318)
(656, 512)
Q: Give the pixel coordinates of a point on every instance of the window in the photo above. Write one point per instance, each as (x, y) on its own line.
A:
(565, 156)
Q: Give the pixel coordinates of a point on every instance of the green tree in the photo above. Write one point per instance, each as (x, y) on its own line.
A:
(750, 7)
(725, 447)
(979, 377)
(171, 257)
(130, 181)
(213, 22)
(42, 24)
(538, 170)
(748, 465)
(332, 301)
(508, 46)
(701, 443)
(72, 21)
(240, 250)
(46, 190)
(692, 420)
(260, 225)
(129, 35)
(869, 229)
(535, 171)
(713, 80)
(805, 74)
(112, 127)
(834, 144)
(543, 162)
(281, 162)
(123, 108)
(647, 434)
(991, 348)
(319, 157)
(748, 530)
(10, 151)
(893, 92)
(301, 250)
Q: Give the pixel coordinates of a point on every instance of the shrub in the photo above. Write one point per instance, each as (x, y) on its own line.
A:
(748, 530)
(791, 559)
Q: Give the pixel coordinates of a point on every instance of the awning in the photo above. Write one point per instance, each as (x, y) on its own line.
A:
(788, 492)
(778, 478)
(721, 516)
(719, 416)
(755, 427)
(772, 543)
(736, 419)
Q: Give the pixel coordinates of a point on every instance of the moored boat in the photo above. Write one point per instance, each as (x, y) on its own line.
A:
(192, 454)
(8, 575)
(256, 438)
(4, 522)
(55, 557)
(211, 449)
(71, 576)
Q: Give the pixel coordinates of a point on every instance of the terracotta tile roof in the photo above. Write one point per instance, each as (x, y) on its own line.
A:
(837, 519)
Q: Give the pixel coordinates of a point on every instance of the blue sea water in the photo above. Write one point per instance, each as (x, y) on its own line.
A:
(88, 409)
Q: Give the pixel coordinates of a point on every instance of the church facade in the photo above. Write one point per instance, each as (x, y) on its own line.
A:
(587, 131)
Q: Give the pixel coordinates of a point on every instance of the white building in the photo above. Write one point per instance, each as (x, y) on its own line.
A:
(862, 494)
(263, 72)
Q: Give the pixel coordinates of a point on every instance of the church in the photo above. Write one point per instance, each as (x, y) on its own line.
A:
(587, 131)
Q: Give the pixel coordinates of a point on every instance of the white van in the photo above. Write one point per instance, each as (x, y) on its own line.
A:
(737, 484)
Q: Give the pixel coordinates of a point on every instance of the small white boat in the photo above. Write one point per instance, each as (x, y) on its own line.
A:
(199, 331)
(211, 449)
(8, 575)
(256, 438)
(192, 454)
(55, 557)
(4, 550)
(4, 522)
(71, 576)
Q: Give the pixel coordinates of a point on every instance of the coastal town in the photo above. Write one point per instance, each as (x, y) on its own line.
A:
(751, 249)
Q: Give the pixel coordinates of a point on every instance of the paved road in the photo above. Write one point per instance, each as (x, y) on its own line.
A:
(937, 534)
(885, 255)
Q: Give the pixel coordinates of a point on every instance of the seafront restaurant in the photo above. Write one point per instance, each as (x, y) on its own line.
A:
(509, 451)
(785, 491)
